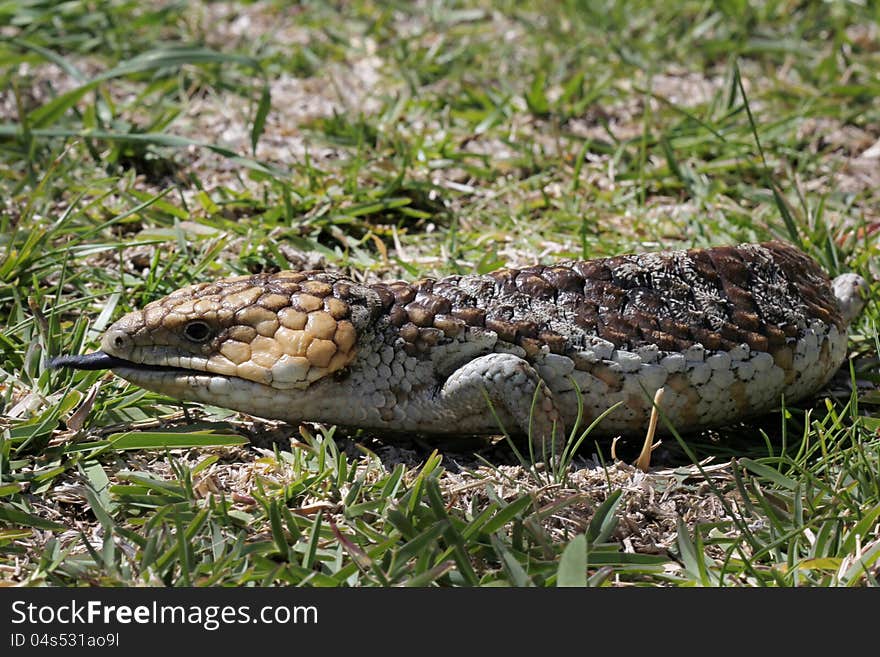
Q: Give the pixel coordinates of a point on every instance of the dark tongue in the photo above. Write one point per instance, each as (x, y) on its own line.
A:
(95, 361)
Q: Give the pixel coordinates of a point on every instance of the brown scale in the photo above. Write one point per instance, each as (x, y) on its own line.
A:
(531, 284)
(504, 329)
(448, 289)
(592, 270)
(505, 282)
(471, 316)
(563, 279)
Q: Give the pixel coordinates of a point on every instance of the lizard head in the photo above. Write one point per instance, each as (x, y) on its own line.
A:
(232, 339)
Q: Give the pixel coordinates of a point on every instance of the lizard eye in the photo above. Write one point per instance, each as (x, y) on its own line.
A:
(197, 331)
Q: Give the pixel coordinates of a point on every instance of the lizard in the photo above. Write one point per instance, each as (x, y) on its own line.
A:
(725, 331)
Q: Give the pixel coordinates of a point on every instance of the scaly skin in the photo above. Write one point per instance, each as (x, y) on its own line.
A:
(725, 331)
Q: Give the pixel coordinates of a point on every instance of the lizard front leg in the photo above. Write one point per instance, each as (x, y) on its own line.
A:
(511, 385)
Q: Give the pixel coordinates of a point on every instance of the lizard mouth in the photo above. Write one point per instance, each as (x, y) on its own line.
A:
(184, 382)
(180, 383)
(100, 360)
(188, 383)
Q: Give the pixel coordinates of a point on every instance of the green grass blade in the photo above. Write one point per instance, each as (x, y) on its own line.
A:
(572, 569)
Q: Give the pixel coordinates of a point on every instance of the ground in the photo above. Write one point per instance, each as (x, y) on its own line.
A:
(147, 147)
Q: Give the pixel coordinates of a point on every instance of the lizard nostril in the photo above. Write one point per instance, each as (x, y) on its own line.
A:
(116, 341)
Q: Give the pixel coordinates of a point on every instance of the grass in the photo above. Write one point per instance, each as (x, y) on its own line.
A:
(144, 149)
